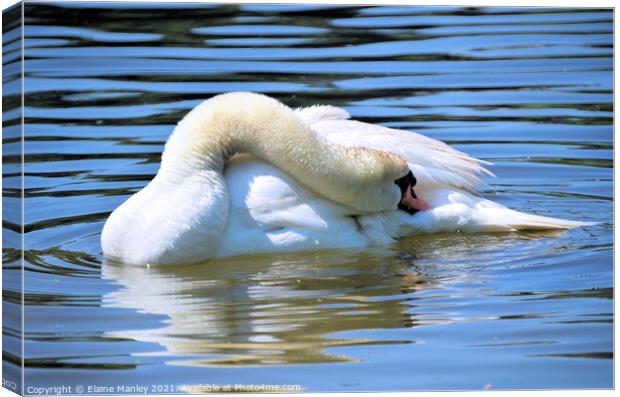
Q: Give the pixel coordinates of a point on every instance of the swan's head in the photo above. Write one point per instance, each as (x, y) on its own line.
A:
(371, 181)
(409, 201)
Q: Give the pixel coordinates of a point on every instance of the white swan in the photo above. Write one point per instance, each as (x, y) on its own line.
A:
(314, 180)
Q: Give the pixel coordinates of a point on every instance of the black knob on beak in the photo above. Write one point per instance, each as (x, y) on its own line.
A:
(405, 183)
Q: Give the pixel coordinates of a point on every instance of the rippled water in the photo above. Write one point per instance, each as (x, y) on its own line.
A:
(529, 89)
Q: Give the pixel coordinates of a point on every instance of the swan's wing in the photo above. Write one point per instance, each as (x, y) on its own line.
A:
(271, 212)
(434, 163)
(317, 113)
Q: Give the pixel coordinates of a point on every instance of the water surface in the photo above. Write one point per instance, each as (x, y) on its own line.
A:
(529, 89)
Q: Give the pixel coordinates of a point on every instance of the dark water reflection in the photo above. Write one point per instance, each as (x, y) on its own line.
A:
(529, 89)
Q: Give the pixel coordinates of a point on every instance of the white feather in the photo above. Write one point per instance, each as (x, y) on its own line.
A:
(190, 211)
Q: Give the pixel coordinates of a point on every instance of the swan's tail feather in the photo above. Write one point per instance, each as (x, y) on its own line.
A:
(499, 218)
(454, 210)
(523, 221)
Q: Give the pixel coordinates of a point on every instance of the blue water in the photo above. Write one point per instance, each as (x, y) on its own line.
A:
(529, 89)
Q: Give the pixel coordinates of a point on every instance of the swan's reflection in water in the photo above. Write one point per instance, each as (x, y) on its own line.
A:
(266, 309)
(290, 309)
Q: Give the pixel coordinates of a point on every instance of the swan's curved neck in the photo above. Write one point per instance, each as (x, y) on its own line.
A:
(259, 125)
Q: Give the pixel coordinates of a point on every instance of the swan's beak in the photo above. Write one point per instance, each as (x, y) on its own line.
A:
(409, 201)
(412, 202)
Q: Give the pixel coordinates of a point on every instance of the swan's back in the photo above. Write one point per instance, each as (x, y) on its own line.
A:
(434, 163)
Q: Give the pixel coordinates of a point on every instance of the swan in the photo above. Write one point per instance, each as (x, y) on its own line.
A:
(243, 173)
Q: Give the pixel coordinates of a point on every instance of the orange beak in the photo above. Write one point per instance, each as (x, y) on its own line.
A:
(414, 202)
